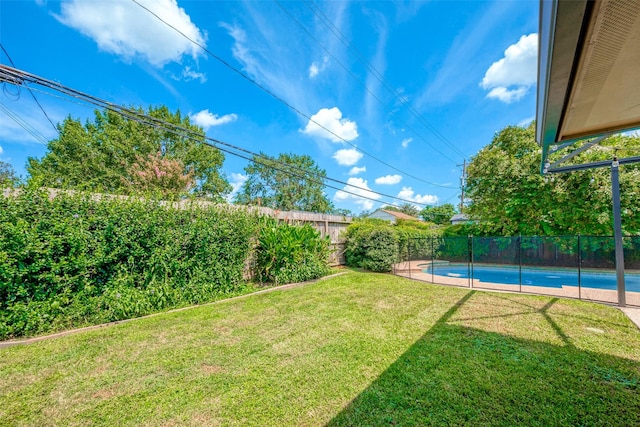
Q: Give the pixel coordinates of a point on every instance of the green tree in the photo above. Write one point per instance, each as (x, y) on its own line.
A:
(342, 211)
(288, 182)
(438, 214)
(100, 155)
(405, 208)
(510, 196)
(158, 175)
(8, 176)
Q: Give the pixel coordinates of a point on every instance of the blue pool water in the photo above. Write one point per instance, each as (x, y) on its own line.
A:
(554, 278)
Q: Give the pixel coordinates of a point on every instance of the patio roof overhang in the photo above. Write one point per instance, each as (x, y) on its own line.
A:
(588, 72)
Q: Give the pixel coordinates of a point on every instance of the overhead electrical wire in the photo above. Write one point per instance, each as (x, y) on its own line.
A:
(20, 77)
(282, 100)
(265, 160)
(29, 89)
(23, 124)
(364, 85)
(9, 95)
(340, 36)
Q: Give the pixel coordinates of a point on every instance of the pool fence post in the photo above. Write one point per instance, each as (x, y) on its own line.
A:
(470, 247)
(579, 268)
(520, 262)
(408, 260)
(617, 231)
(433, 253)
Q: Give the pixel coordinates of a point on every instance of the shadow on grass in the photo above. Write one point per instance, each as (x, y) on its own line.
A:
(457, 375)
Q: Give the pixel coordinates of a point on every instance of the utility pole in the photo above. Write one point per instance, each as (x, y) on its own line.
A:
(463, 182)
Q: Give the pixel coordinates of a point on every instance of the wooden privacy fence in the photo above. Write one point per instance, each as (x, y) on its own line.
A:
(326, 224)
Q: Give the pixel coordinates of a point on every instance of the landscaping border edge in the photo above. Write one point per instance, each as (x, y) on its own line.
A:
(10, 343)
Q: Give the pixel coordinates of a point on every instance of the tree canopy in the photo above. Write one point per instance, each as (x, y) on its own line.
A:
(113, 154)
(8, 176)
(288, 182)
(438, 214)
(510, 196)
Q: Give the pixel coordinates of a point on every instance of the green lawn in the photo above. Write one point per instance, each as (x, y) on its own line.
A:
(358, 349)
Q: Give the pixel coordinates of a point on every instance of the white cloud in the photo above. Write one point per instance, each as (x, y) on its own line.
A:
(526, 122)
(188, 74)
(1, 150)
(510, 78)
(389, 179)
(314, 70)
(347, 156)
(507, 95)
(357, 170)
(464, 57)
(330, 119)
(405, 142)
(359, 187)
(15, 121)
(317, 67)
(206, 119)
(408, 194)
(240, 50)
(371, 102)
(237, 180)
(123, 28)
(257, 46)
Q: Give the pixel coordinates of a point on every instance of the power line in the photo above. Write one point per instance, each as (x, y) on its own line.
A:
(422, 138)
(340, 36)
(278, 98)
(29, 89)
(18, 77)
(193, 135)
(255, 158)
(23, 124)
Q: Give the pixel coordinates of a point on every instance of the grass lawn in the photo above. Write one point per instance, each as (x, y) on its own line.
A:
(358, 349)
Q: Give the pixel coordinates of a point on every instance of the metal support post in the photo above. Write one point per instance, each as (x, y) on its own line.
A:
(471, 260)
(409, 256)
(617, 231)
(433, 255)
(579, 268)
(520, 263)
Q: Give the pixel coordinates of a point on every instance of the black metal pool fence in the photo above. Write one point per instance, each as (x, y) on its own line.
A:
(574, 266)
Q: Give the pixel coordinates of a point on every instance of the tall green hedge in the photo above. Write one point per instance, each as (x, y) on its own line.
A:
(72, 261)
(371, 244)
(376, 245)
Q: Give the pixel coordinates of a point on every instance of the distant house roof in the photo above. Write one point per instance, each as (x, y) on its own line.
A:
(389, 215)
(459, 218)
(399, 215)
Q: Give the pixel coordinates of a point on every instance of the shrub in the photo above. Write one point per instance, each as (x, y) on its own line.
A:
(371, 244)
(287, 253)
(73, 260)
(382, 251)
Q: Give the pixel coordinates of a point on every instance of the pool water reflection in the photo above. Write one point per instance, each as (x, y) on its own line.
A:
(535, 276)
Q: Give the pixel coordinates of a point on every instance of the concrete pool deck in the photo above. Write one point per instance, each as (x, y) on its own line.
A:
(632, 313)
(413, 270)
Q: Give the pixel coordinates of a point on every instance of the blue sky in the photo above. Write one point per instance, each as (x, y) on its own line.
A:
(416, 85)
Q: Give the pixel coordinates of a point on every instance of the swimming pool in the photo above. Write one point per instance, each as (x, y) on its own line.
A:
(532, 276)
